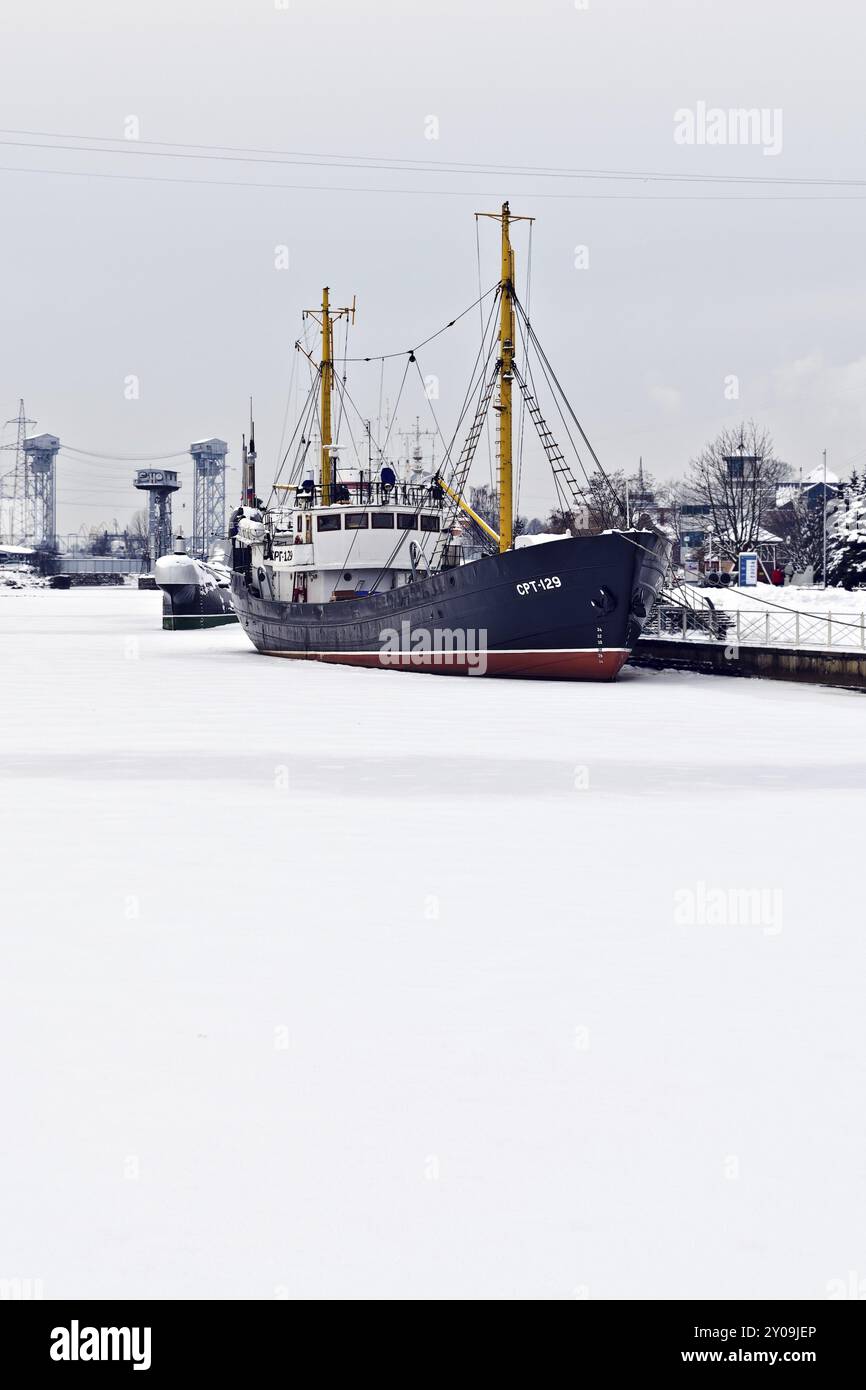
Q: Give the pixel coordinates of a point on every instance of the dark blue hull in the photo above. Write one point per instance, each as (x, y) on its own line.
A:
(569, 609)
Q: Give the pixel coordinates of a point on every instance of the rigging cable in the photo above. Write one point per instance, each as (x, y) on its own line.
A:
(565, 504)
(409, 360)
(340, 409)
(564, 501)
(543, 359)
(383, 356)
(522, 396)
(381, 390)
(481, 321)
(303, 418)
(481, 361)
(292, 374)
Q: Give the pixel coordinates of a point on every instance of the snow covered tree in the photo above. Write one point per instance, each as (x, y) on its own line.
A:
(846, 536)
(604, 496)
(801, 526)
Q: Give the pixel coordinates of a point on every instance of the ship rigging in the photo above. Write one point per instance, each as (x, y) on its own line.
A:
(341, 552)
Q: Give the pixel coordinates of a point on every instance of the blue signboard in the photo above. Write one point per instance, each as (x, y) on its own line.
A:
(748, 570)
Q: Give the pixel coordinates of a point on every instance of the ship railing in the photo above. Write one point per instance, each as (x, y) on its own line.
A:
(367, 493)
(845, 631)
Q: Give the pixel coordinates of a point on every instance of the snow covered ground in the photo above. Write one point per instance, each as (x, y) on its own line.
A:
(326, 982)
(784, 616)
(812, 600)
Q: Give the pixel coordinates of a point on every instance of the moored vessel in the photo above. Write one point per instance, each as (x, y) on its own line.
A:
(359, 566)
(195, 593)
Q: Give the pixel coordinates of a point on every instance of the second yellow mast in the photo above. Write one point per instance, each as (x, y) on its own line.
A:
(327, 378)
(506, 367)
(506, 340)
(327, 386)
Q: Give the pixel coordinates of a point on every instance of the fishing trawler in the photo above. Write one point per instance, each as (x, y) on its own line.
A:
(361, 567)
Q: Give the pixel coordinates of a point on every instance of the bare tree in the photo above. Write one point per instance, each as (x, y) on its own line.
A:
(604, 495)
(734, 481)
(99, 541)
(670, 493)
(669, 498)
(485, 501)
(136, 532)
(601, 507)
(560, 522)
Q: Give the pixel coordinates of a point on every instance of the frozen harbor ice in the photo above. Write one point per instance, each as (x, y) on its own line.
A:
(326, 982)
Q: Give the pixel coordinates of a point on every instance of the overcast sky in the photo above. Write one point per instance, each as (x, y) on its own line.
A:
(687, 285)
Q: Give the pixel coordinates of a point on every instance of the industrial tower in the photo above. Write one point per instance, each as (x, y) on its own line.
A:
(159, 484)
(13, 484)
(40, 501)
(209, 496)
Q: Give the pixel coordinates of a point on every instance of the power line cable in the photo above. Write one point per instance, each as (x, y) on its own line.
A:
(475, 194)
(316, 159)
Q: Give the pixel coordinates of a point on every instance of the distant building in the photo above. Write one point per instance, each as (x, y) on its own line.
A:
(810, 489)
(17, 555)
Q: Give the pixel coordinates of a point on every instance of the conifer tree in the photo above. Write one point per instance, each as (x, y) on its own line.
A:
(846, 539)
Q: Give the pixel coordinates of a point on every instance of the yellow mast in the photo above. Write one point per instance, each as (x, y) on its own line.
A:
(327, 378)
(506, 360)
(327, 374)
(464, 506)
(506, 349)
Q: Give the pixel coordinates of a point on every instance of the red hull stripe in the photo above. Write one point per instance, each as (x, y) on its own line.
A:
(586, 664)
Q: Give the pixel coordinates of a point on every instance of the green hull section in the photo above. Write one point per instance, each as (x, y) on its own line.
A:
(182, 623)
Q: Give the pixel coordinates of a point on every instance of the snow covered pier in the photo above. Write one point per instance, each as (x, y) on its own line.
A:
(721, 658)
(741, 634)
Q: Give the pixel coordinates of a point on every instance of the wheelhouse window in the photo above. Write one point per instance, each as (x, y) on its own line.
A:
(383, 521)
(330, 521)
(357, 521)
(429, 523)
(407, 521)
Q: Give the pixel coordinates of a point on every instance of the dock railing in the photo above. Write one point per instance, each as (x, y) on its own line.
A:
(771, 627)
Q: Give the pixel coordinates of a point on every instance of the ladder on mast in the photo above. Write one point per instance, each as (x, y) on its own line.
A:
(562, 472)
(464, 463)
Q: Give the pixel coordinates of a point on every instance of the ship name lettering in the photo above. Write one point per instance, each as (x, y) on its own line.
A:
(539, 586)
